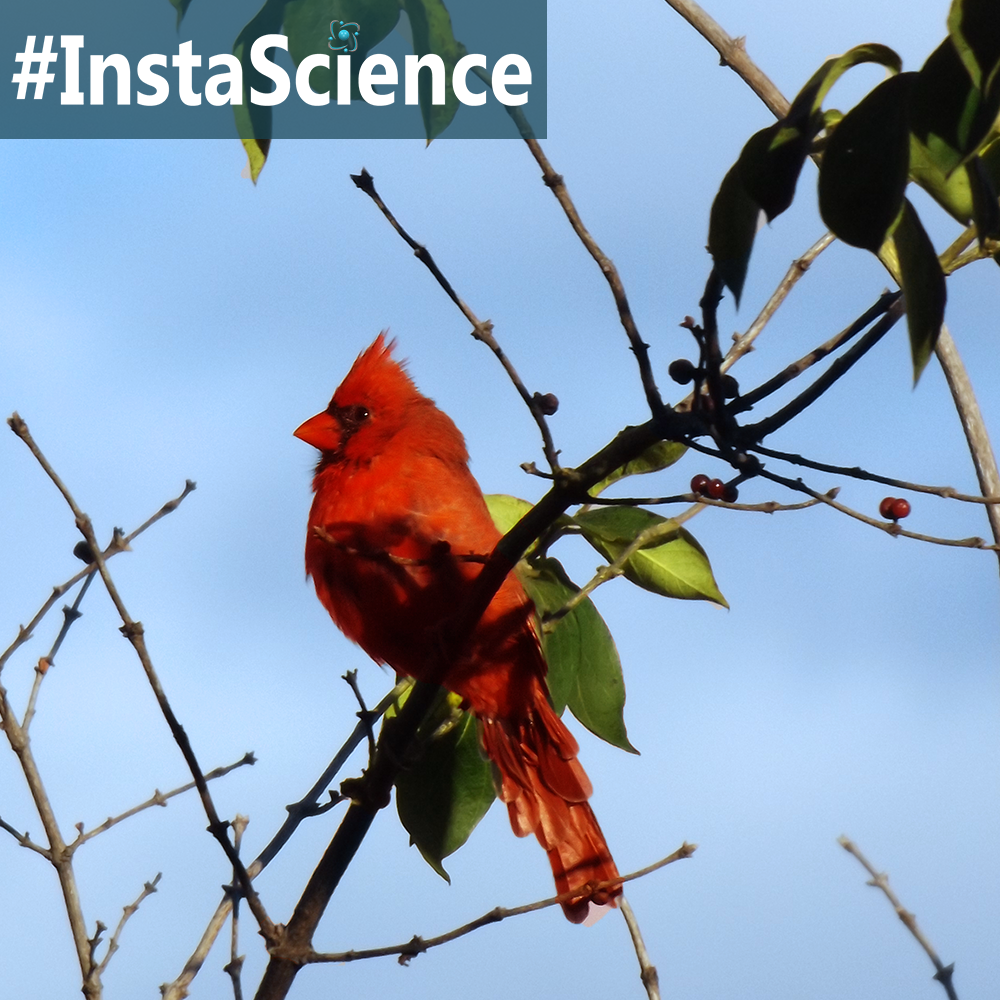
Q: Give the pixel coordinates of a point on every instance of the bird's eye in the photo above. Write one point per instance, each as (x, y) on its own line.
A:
(353, 416)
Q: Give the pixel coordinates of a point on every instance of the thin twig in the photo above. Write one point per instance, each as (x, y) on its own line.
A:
(732, 53)
(367, 718)
(747, 400)
(25, 841)
(59, 857)
(158, 799)
(889, 527)
(134, 632)
(25, 631)
(305, 807)
(482, 329)
(856, 472)
(418, 945)
(880, 880)
(647, 971)
(973, 424)
(767, 507)
(234, 967)
(753, 433)
(557, 185)
(148, 889)
(744, 343)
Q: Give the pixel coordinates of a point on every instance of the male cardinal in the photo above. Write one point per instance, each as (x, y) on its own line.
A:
(396, 516)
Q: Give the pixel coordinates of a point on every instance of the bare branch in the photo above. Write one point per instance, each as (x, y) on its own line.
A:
(889, 527)
(973, 424)
(305, 807)
(752, 433)
(367, 718)
(744, 343)
(25, 841)
(647, 971)
(25, 631)
(855, 472)
(158, 798)
(747, 400)
(234, 967)
(880, 880)
(147, 890)
(60, 858)
(418, 945)
(134, 632)
(557, 185)
(732, 53)
(481, 329)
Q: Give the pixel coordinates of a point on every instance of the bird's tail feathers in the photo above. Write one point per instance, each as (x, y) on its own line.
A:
(546, 789)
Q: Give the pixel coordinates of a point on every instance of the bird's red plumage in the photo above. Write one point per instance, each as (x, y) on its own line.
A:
(395, 513)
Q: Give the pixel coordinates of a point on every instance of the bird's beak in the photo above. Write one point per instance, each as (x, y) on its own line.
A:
(322, 431)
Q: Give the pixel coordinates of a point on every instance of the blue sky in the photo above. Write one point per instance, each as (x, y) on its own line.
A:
(166, 320)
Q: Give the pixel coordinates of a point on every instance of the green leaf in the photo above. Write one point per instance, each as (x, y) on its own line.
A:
(985, 208)
(923, 285)
(656, 457)
(672, 565)
(810, 98)
(432, 32)
(253, 121)
(585, 673)
(181, 7)
(949, 115)
(443, 796)
(506, 510)
(765, 175)
(974, 28)
(952, 191)
(732, 227)
(770, 165)
(866, 164)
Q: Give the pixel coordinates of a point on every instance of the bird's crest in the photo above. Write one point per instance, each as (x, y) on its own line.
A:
(376, 379)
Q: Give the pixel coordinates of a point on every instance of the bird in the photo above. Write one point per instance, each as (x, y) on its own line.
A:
(397, 533)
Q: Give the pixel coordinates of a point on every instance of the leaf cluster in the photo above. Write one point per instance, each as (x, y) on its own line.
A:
(935, 127)
(306, 23)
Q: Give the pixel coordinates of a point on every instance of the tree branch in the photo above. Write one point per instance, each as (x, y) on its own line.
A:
(481, 330)
(133, 631)
(880, 880)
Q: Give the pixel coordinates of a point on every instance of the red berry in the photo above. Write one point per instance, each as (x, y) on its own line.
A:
(885, 508)
(900, 509)
(730, 493)
(715, 489)
(699, 483)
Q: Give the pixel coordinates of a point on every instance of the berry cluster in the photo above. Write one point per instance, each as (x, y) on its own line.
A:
(683, 371)
(894, 509)
(701, 485)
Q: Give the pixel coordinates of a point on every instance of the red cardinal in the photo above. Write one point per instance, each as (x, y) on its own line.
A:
(396, 510)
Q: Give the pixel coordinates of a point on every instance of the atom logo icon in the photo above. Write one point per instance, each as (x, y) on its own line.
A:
(346, 36)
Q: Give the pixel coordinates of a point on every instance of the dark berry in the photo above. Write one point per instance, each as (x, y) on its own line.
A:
(548, 403)
(730, 493)
(730, 387)
(885, 508)
(699, 484)
(900, 509)
(681, 371)
(83, 551)
(715, 489)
